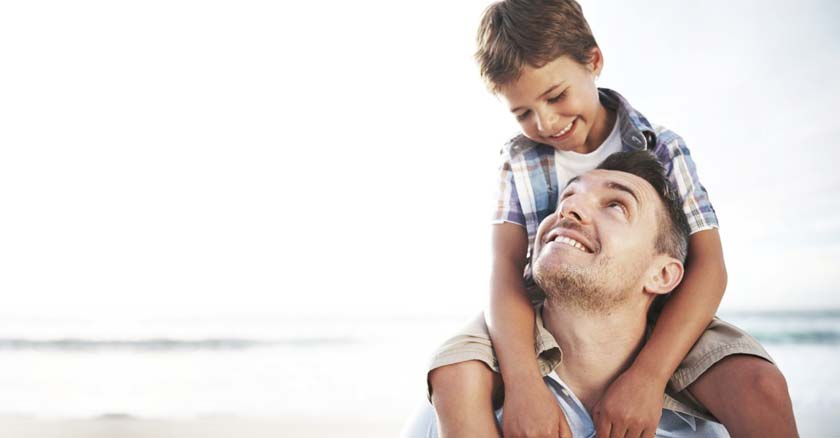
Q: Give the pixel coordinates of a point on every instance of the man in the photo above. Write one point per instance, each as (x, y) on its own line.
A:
(617, 242)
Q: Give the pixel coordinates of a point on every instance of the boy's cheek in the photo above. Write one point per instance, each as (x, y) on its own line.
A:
(529, 132)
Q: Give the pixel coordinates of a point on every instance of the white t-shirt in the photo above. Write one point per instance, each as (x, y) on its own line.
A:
(571, 164)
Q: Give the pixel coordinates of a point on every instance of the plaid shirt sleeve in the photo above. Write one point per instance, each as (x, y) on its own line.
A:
(675, 156)
(508, 207)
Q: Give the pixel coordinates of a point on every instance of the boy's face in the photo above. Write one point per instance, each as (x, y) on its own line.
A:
(557, 104)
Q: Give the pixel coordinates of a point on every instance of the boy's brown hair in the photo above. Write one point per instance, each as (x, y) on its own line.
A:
(515, 33)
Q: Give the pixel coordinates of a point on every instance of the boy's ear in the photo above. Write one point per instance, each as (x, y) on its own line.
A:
(664, 276)
(596, 61)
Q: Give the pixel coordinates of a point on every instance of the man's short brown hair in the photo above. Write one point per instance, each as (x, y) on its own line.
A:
(515, 33)
(674, 230)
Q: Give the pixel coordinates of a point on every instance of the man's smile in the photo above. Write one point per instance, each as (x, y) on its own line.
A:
(571, 238)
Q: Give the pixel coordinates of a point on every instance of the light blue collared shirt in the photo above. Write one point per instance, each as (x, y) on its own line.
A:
(672, 424)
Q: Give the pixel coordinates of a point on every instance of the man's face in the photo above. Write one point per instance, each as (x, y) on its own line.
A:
(594, 250)
(558, 105)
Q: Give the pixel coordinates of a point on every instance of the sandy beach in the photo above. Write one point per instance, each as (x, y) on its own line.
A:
(289, 390)
(811, 422)
(205, 427)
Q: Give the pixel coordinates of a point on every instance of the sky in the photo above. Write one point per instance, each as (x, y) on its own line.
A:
(252, 158)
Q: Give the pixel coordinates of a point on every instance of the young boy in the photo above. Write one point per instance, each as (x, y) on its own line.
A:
(541, 59)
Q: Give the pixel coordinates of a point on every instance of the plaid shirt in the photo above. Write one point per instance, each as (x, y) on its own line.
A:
(529, 184)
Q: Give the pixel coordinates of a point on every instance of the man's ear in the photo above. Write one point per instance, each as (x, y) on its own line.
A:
(664, 276)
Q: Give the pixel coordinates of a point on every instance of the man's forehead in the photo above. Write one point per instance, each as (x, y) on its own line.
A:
(611, 179)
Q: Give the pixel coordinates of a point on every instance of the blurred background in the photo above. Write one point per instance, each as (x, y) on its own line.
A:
(264, 210)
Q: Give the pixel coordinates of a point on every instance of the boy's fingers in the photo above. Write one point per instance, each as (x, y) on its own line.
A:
(635, 432)
(617, 431)
(564, 430)
(602, 428)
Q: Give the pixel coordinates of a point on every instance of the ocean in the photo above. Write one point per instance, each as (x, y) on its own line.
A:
(371, 368)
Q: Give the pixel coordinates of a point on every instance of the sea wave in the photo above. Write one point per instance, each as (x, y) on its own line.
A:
(820, 337)
(819, 327)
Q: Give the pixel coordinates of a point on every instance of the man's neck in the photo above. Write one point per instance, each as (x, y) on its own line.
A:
(597, 348)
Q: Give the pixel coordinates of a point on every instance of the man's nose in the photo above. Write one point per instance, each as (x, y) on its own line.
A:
(574, 207)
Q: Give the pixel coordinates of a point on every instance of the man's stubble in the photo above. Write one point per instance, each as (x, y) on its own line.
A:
(594, 289)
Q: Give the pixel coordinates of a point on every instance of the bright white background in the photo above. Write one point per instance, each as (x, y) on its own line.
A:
(178, 158)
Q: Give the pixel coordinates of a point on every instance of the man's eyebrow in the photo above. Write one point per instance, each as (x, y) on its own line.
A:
(569, 184)
(621, 187)
(550, 89)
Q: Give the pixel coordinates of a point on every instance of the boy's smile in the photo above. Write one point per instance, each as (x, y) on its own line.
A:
(557, 104)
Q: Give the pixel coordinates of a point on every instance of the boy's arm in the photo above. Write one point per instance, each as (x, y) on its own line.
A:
(530, 408)
(634, 401)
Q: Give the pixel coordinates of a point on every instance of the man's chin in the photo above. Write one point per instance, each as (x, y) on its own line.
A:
(558, 270)
(563, 260)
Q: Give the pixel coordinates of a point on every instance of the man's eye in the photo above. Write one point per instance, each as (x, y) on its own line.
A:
(523, 115)
(617, 205)
(558, 97)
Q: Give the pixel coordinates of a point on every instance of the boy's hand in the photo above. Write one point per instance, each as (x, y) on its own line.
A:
(631, 407)
(532, 411)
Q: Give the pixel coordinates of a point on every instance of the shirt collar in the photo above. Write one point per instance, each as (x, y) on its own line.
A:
(548, 348)
(636, 131)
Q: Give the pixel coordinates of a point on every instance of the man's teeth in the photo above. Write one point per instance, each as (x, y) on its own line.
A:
(565, 130)
(571, 242)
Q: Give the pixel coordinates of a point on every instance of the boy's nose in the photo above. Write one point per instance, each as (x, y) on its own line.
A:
(545, 123)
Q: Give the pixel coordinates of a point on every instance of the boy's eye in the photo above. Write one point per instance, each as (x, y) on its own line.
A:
(524, 115)
(557, 98)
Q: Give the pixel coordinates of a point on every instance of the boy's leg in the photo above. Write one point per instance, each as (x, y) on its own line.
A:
(748, 395)
(462, 395)
(731, 376)
(462, 384)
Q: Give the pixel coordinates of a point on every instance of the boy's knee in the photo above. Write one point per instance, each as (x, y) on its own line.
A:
(471, 377)
(738, 380)
(462, 396)
(769, 385)
(757, 401)
(759, 381)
